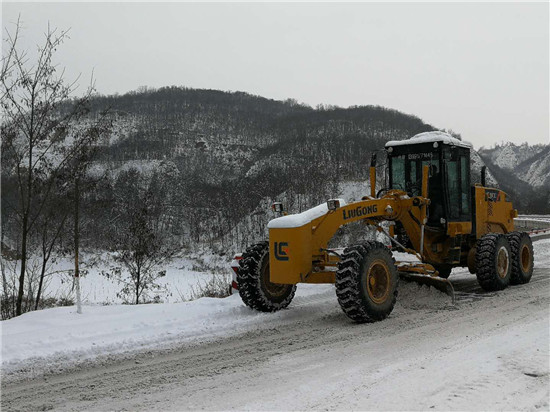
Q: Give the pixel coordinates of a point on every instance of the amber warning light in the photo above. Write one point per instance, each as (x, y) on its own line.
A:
(277, 207)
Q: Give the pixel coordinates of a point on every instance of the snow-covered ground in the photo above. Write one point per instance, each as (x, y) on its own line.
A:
(489, 351)
(184, 276)
(54, 338)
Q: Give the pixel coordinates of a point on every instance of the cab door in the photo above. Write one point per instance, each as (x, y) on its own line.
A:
(456, 163)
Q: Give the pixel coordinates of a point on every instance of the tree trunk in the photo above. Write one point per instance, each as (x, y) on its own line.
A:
(76, 244)
(46, 254)
(137, 286)
(23, 266)
(42, 274)
(26, 212)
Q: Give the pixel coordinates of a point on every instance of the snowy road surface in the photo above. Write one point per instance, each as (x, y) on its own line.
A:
(488, 352)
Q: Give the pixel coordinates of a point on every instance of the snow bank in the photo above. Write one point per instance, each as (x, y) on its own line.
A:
(111, 328)
(61, 336)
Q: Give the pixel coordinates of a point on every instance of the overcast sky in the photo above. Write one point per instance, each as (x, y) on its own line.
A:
(479, 69)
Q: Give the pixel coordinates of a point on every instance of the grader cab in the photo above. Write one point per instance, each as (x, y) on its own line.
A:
(435, 214)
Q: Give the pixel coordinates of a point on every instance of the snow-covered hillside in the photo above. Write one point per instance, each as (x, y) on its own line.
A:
(510, 155)
(536, 170)
(476, 163)
(529, 163)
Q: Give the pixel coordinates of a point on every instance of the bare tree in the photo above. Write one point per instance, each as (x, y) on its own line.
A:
(139, 239)
(49, 231)
(42, 129)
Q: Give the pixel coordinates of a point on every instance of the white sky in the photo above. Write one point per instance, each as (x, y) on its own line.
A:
(479, 69)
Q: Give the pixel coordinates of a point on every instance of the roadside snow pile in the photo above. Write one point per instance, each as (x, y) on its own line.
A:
(116, 328)
(54, 338)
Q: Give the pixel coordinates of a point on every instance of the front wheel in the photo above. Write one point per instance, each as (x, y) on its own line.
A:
(255, 288)
(366, 282)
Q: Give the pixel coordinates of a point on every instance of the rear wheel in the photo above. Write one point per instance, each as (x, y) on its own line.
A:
(493, 262)
(522, 257)
(255, 288)
(366, 282)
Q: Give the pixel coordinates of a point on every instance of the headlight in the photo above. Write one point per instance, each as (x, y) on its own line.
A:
(333, 204)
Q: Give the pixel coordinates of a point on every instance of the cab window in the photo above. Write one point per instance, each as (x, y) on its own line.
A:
(398, 172)
(465, 179)
(456, 163)
(453, 187)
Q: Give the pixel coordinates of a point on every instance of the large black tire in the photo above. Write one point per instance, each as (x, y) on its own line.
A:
(493, 262)
(522, 257)
(366, 282)
(255, 288)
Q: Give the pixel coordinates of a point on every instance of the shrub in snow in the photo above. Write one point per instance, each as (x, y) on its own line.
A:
(217, 287)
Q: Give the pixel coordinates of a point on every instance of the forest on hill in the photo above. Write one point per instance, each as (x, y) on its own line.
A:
(202, 161)
(206, 159)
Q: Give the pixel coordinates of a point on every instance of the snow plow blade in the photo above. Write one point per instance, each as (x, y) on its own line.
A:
(443, 285)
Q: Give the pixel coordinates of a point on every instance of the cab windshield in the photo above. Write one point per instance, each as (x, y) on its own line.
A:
(449, 178)
(406, 171)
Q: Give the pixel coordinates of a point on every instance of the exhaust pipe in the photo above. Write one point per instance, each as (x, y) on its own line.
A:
(373, 175)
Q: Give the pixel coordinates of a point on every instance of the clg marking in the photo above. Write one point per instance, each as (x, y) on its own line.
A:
(280, 253)
(360, 211)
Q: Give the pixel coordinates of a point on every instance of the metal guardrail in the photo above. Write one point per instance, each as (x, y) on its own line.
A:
(531, 223)
(537, 228)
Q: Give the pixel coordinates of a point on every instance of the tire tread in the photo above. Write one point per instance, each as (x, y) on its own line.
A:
(348, 282)
(486, 271)
(516, 239)
(248, 279)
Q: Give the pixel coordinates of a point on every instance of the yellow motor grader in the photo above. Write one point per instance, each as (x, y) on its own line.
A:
(437, 214)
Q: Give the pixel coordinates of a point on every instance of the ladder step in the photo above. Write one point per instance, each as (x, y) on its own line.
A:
(454, 255)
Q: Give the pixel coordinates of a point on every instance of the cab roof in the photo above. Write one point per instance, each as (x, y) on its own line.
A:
(429, 137)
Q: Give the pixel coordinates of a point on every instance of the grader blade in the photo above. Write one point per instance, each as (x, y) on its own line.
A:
(443, 285)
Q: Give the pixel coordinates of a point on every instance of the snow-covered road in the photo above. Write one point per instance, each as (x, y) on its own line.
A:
(488, 352)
